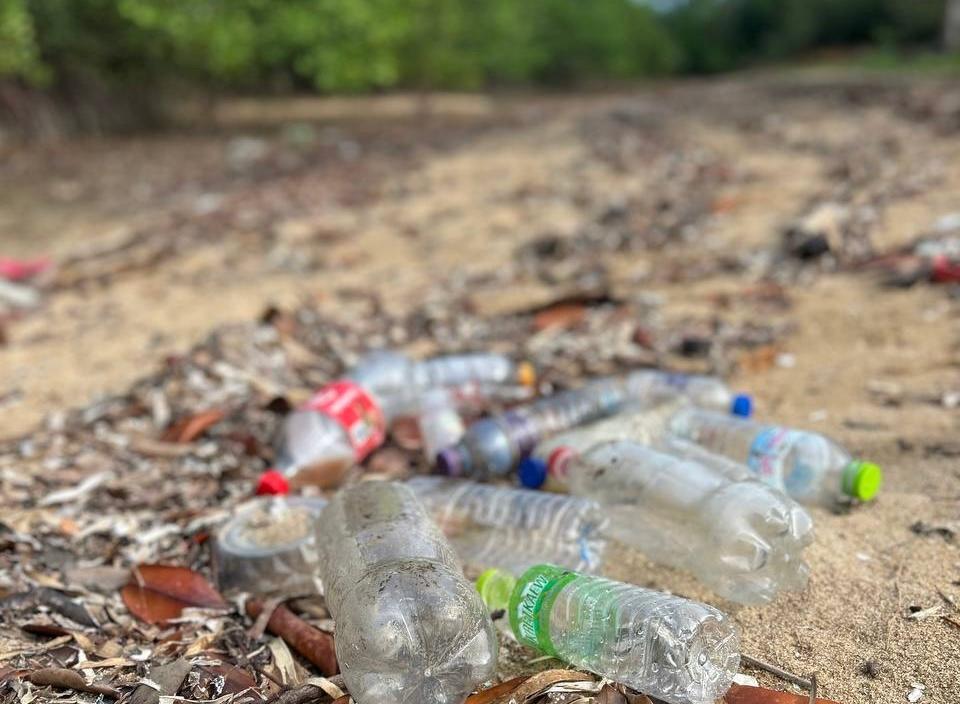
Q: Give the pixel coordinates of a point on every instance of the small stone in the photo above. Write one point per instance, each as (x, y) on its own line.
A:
(914, 695)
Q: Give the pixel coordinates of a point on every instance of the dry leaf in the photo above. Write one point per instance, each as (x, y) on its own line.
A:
(498, 690)
(539, 682)
(740, 694)
(62, 678)
(168, 677)
(158, 593)
(610, 695)
(190, 428)
(235, 679)
(562, 315)
(313, 644)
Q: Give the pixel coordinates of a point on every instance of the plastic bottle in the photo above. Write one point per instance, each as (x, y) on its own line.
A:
(493, 446)
(742, 539)
(674, 649)
(654, 385)
(440, 422)
(808, 466)
(500, 526)
(347, 419)
(410, 627)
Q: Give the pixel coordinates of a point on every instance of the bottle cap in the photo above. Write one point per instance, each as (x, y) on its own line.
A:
(862, 480)
(526, 374)
(532, 472)
(742, 405)
(272, 483)
(495, 587)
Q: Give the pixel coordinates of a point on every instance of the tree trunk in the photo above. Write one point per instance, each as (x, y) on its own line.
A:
(951, 26)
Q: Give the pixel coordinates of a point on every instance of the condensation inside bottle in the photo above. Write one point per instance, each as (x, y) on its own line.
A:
(410, 627)
(674, 649)
(743, 539)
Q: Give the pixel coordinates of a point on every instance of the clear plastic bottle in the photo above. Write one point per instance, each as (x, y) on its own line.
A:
(347, 419)
(743, 539)
(493, 446)
(440, 422)
(410, 627)
(500, 526)
(808, 466)
(674, 649)
(654, 385)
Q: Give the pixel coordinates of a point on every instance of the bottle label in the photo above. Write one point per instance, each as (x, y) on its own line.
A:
(558, 464)
(540, 587)
(356, 411)
(768, 459)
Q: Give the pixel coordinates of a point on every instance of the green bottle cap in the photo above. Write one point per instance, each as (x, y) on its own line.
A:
(862, 480)
(495, 587)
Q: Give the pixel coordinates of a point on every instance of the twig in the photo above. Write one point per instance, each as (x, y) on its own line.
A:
(778, 671)
(813, 688)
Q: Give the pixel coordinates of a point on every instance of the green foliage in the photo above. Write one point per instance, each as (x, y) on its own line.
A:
(18, 48)
(362, 45)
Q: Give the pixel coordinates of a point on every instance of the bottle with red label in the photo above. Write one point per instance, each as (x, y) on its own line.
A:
(348, 418)
(810, 467)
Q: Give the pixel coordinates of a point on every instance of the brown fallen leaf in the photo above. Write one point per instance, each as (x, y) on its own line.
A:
(541, 681)
(62, 678)
(489, 694)
(235, 679)
(562, 315)
(740, 694)
(610, 695)
(158, 593)
(169, 677)
(190, 428)
(312, 643)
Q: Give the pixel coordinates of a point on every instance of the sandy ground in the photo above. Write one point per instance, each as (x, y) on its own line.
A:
(515, 170)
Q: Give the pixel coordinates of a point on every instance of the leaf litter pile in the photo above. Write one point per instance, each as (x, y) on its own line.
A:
(109, 509)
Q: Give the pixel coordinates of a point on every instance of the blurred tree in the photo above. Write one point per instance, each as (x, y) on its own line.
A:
(18, 48)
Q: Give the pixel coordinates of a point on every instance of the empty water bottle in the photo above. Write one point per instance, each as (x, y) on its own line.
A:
(742, 539)
(677, 650)
(500, 526)
(806, 465)
(410, 627)
(654, 385)
(347, 419)
(440, 422)
(493, 446)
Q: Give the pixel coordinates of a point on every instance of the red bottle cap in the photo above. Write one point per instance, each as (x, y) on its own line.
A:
(272, 483)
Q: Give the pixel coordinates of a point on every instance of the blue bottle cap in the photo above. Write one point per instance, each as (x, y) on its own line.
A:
(742, 405)
(532, 472)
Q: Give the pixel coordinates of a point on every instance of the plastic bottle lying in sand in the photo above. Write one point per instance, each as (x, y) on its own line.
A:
(440, 422)
(677, 650)
(743, 539)
(347, 419)
(808, 466)
(493, 446)
(500, 526)
(654, 385)
(410, 627)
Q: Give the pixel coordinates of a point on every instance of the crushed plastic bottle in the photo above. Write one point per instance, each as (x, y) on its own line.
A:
(493, 446)
(410, 627)
(654, 385)
(269, 548)
(743, 539)
(808, 466)
(347, 419)
(674, 649)
(500, 526)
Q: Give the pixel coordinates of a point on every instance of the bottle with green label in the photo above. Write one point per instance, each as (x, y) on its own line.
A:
(675, 649)
(811, 468)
